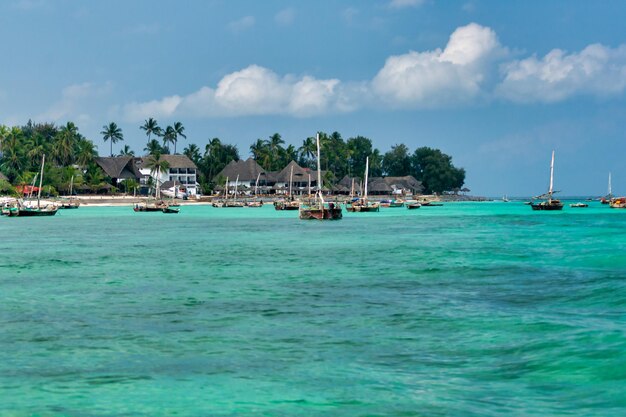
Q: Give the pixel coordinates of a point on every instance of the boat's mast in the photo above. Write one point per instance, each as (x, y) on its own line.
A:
(71, 185)
(43, 160)
(610, 192)
(158, 184)
(309, 185)
(352, 189)
(551, 177)
(319, 172)
(256, 184)
(290, 180)
(367, 165)
(236, 186)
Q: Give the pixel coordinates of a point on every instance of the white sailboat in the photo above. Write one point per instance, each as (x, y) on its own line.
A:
(549, 203)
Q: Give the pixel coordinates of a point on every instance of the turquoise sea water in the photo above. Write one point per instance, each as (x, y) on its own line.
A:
(471, 309)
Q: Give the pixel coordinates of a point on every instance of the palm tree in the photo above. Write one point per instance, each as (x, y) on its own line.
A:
(157, 165)
(153, 147)
(126, 151)
(307, 151)
(178, 131)
(193, 152)
(169, 136)
(86, 152)
(64, 143)
(151, 126)
(112, 133)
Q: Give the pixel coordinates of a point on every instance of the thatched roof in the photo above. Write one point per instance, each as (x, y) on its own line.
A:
(379, 185)
(174, 161)
(118, 166)
(299, 174)
(247, 170)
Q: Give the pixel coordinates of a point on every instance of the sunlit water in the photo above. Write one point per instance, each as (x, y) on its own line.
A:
(471, 309)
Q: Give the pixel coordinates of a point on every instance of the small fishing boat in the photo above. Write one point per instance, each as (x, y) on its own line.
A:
(362, 205)
(392, 203)
(319, 209)
(171, 209)
(618, 202)
(290, 203)
(150, 205)
(549, 204)
(431, 204)
(607, 198)
(413, 205)
(579, 205)
(69, 202)
(254, 203)
(31, 210)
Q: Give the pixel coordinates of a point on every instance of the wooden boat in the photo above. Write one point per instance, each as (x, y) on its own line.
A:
(254, 203)
(319, 209)
(618, 202)
(413, 205)
(607, 198)
(148, 206)
(68, 203)
(392, 203)
(579, 205)
(49, 209)
(171, 209)
(549, 204)
(431, 204)
(290, 203)
(362, 205)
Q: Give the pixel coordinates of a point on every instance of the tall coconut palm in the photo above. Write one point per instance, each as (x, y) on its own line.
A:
(307, 151)
(126, 151)
(153, 147)
(168, 136)
(151, 127)
(157, 164)
(112, 133)
(64, 143)
(193, 152)
(86, 152)
(178, 131)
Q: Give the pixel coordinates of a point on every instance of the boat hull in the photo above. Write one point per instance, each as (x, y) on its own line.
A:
(321, 214)
(24, 212)
(545, 206)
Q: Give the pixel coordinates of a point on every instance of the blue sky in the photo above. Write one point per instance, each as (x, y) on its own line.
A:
(495, 84)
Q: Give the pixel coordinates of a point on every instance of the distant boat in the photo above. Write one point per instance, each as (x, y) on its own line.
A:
(619, 202)
(413, 205)
(549, 203)
(362, 205)
(392, 203)
(505, 199)
(290, 203)
(579, 205)
(69, 202)
(319, 209)
(30, 210)
(607, 198)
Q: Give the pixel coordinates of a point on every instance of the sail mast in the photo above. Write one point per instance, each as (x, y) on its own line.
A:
(367, 165)
(43, 160)
(256, 184)
(290, 180)
(610, 191)
(551, 177)
(236, 186)
(226, 190)
(319, 172)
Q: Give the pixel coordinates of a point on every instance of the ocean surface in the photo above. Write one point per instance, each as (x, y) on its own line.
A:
(470, 309)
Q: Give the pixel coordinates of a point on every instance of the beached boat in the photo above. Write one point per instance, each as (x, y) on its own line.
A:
(362, 205)
(319, 209)
(69, 202)
(30, 209)
(549, 203)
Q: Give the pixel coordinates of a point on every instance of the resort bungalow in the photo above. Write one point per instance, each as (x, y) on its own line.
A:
(406, 185)
(118, 168)
(181, 169)
(247, 171)
(299, 180)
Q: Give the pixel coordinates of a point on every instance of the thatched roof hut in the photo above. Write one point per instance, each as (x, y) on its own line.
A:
(118, 167)
(406, 184)
(300, 175)
(247, 170)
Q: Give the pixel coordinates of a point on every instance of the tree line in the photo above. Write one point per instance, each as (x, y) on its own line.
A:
(70, 154)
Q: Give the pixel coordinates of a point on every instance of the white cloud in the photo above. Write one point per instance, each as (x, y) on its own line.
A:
(436, 77)
(464, 71)
(399, 4)
(254, 90)
(242, 24)
(286, 16)
(596, 70)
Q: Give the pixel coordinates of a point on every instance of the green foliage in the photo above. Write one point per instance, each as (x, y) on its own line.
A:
(112, 133)
(436, 171)
(397, 162)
